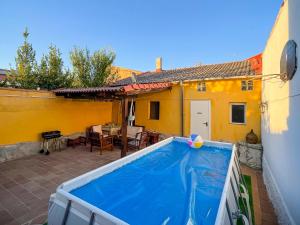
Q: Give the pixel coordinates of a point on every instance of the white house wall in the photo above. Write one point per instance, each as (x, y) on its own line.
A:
(281, 119)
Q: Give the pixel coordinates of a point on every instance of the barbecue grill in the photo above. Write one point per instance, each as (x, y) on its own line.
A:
(50, 136)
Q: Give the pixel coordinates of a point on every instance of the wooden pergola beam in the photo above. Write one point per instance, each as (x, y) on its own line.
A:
(140, 92)
(124, 126)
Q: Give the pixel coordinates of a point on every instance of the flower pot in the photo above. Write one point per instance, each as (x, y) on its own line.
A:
(251, 137)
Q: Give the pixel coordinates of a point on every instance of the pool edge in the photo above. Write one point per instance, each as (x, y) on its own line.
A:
(84, 209)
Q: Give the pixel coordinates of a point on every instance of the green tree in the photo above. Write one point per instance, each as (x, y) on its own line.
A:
(25, 75)
(51, 74)
(4, 83)
(43, 72)
(68, 80)
(81, 62)
(92, 70)
(102, 73)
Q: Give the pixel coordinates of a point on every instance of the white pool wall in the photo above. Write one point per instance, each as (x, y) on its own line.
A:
(228, 193)
(81, 211)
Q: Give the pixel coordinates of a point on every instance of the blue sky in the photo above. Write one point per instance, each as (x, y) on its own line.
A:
(184, 33)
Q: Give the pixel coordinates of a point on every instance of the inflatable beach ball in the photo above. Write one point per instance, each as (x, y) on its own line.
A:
(195, 141)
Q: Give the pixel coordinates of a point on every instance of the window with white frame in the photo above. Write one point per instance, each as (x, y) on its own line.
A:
(238, 113)
(201, 87)
(247, 85)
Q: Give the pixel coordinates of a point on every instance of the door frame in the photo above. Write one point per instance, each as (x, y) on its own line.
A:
(209, 114)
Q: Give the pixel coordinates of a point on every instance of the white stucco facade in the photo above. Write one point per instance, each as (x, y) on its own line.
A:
(281, 119)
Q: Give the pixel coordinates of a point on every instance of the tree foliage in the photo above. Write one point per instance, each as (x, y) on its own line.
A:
(93, 70)
(4, 83)
(81, 63)
(51, 74)
(24, 76)
(89, 70)
(102, 73)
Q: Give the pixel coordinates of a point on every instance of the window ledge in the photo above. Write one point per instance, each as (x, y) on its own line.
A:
(237, 123)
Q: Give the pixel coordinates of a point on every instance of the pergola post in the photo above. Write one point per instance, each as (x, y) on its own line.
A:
(124, 126)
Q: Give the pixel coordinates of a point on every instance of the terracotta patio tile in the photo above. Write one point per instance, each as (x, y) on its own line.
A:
(41, 219)
(17, 190)
(27, 198)
(9, 184)
(36, 203)
(14, 222)
(9, 201)
(17, 210)
(49, 176)
(263, 209)
(269, 220)
(4, 179)
(42, 193)
(21, 179)
(32, 186)
(49, 185)
(26, 184)
(5, 217)
(58, 180)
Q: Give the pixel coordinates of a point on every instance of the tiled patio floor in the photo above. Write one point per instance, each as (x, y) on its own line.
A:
(26, 184)
(263, 209)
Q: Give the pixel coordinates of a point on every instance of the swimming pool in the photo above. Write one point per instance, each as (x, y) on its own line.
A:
(167, 183)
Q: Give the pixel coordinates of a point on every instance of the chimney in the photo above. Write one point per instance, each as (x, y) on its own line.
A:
(158, 63)
(133, 77)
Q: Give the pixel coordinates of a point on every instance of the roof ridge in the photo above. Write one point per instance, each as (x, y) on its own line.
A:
(225, 69)
(196, 66)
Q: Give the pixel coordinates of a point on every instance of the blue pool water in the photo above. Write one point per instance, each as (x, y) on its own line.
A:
(175, 184)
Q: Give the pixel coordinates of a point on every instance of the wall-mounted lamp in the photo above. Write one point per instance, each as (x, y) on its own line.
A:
(263, 107)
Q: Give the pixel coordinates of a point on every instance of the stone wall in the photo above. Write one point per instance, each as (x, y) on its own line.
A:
(250, 154)
(23, 149)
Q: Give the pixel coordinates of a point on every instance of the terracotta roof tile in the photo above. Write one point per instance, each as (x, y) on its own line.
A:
(126, 89)
(87, 90)
(224, 70)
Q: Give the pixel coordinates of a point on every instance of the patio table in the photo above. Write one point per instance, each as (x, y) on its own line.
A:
(111, 130)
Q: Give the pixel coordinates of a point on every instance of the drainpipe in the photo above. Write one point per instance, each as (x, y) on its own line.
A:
(181, 108)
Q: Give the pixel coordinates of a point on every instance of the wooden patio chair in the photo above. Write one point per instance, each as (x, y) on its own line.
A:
(140, 141)
(99, 139)
(131, 134)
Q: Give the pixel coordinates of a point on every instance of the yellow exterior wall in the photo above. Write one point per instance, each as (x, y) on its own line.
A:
(25, 114)
(124, 72)
(220, 93)
(169, 117)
